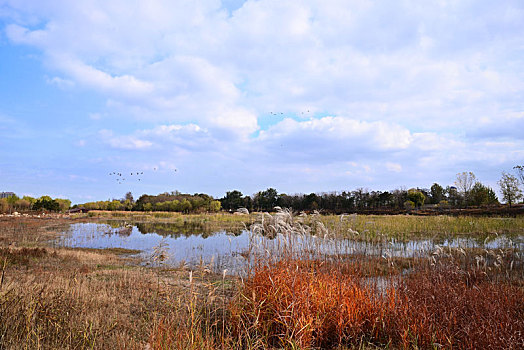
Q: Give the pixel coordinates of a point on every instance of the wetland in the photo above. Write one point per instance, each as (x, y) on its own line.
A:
(258, 281)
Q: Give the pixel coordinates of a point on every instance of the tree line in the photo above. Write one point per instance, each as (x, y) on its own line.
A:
(467, 191)
(167, 201)
(14, 203)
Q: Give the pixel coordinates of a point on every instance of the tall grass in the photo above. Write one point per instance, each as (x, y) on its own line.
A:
(406, 227)
(455, 299)
(311, 304)
(293, 296)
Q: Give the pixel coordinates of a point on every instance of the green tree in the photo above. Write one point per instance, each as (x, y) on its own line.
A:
(127, 204)
(482, 195)
(185, 206)
(509, 187)
(12, 200)
(232, 200)
(63, 204)
(266, 200)
(437, 193)
(453, 196)
(214, 206)
(129, 197)
(46, 203)
(174, 205)
(408, 205)
(31, 200)
(417, 197)
(311, 201)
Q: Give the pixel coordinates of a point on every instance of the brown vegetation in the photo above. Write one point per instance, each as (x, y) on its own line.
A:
(308, 304)
(59, 298)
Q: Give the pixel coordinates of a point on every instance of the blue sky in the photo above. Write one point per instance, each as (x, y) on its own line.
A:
(303, 96)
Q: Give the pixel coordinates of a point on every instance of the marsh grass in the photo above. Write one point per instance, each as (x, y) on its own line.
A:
(294, 295)
(207, 221)
(457, 298)
(407, 227)
(87, 299)
(372, 228)
(317, 304)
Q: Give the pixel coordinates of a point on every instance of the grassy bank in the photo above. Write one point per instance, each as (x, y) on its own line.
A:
(206, 222)
(358, 227)
(406, 227)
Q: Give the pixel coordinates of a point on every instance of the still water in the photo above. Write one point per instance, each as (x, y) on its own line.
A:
(191, 246)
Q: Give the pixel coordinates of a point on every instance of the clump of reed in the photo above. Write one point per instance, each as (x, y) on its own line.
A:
(198, 317)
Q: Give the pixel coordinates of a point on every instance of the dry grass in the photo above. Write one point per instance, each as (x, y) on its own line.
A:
(86, 298)
(309, 305)
(312, 305)
(449, 307)
(80, 299)
(455, 299)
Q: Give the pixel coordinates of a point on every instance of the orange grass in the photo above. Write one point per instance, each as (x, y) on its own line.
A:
(455, 308)
(307, 304)
(311, 305)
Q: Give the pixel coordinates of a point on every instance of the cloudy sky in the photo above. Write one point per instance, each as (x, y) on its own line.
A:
(303, 96)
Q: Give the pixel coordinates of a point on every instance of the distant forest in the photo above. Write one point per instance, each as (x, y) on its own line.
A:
(467, 192)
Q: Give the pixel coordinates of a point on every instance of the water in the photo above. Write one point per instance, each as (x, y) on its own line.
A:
(190, 246)
(221, 250)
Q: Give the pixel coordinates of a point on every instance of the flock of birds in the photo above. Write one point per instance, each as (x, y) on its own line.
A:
(138, 174)
(282, 113)
(120, 176)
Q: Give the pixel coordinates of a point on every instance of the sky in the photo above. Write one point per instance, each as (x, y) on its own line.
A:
(211, 96)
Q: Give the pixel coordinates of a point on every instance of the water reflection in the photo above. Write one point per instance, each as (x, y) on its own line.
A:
(191, 244)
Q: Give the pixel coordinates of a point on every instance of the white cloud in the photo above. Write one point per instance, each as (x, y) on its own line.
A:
(333, 138)
(405, 88)
(123, 142)
(60, 82)
(92, 77)
(180, 62)
(394, 167)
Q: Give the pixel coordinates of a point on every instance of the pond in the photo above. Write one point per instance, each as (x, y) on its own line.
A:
(234, 252)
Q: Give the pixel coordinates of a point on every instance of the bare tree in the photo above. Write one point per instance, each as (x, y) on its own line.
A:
(465, 182)
(520, 173)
